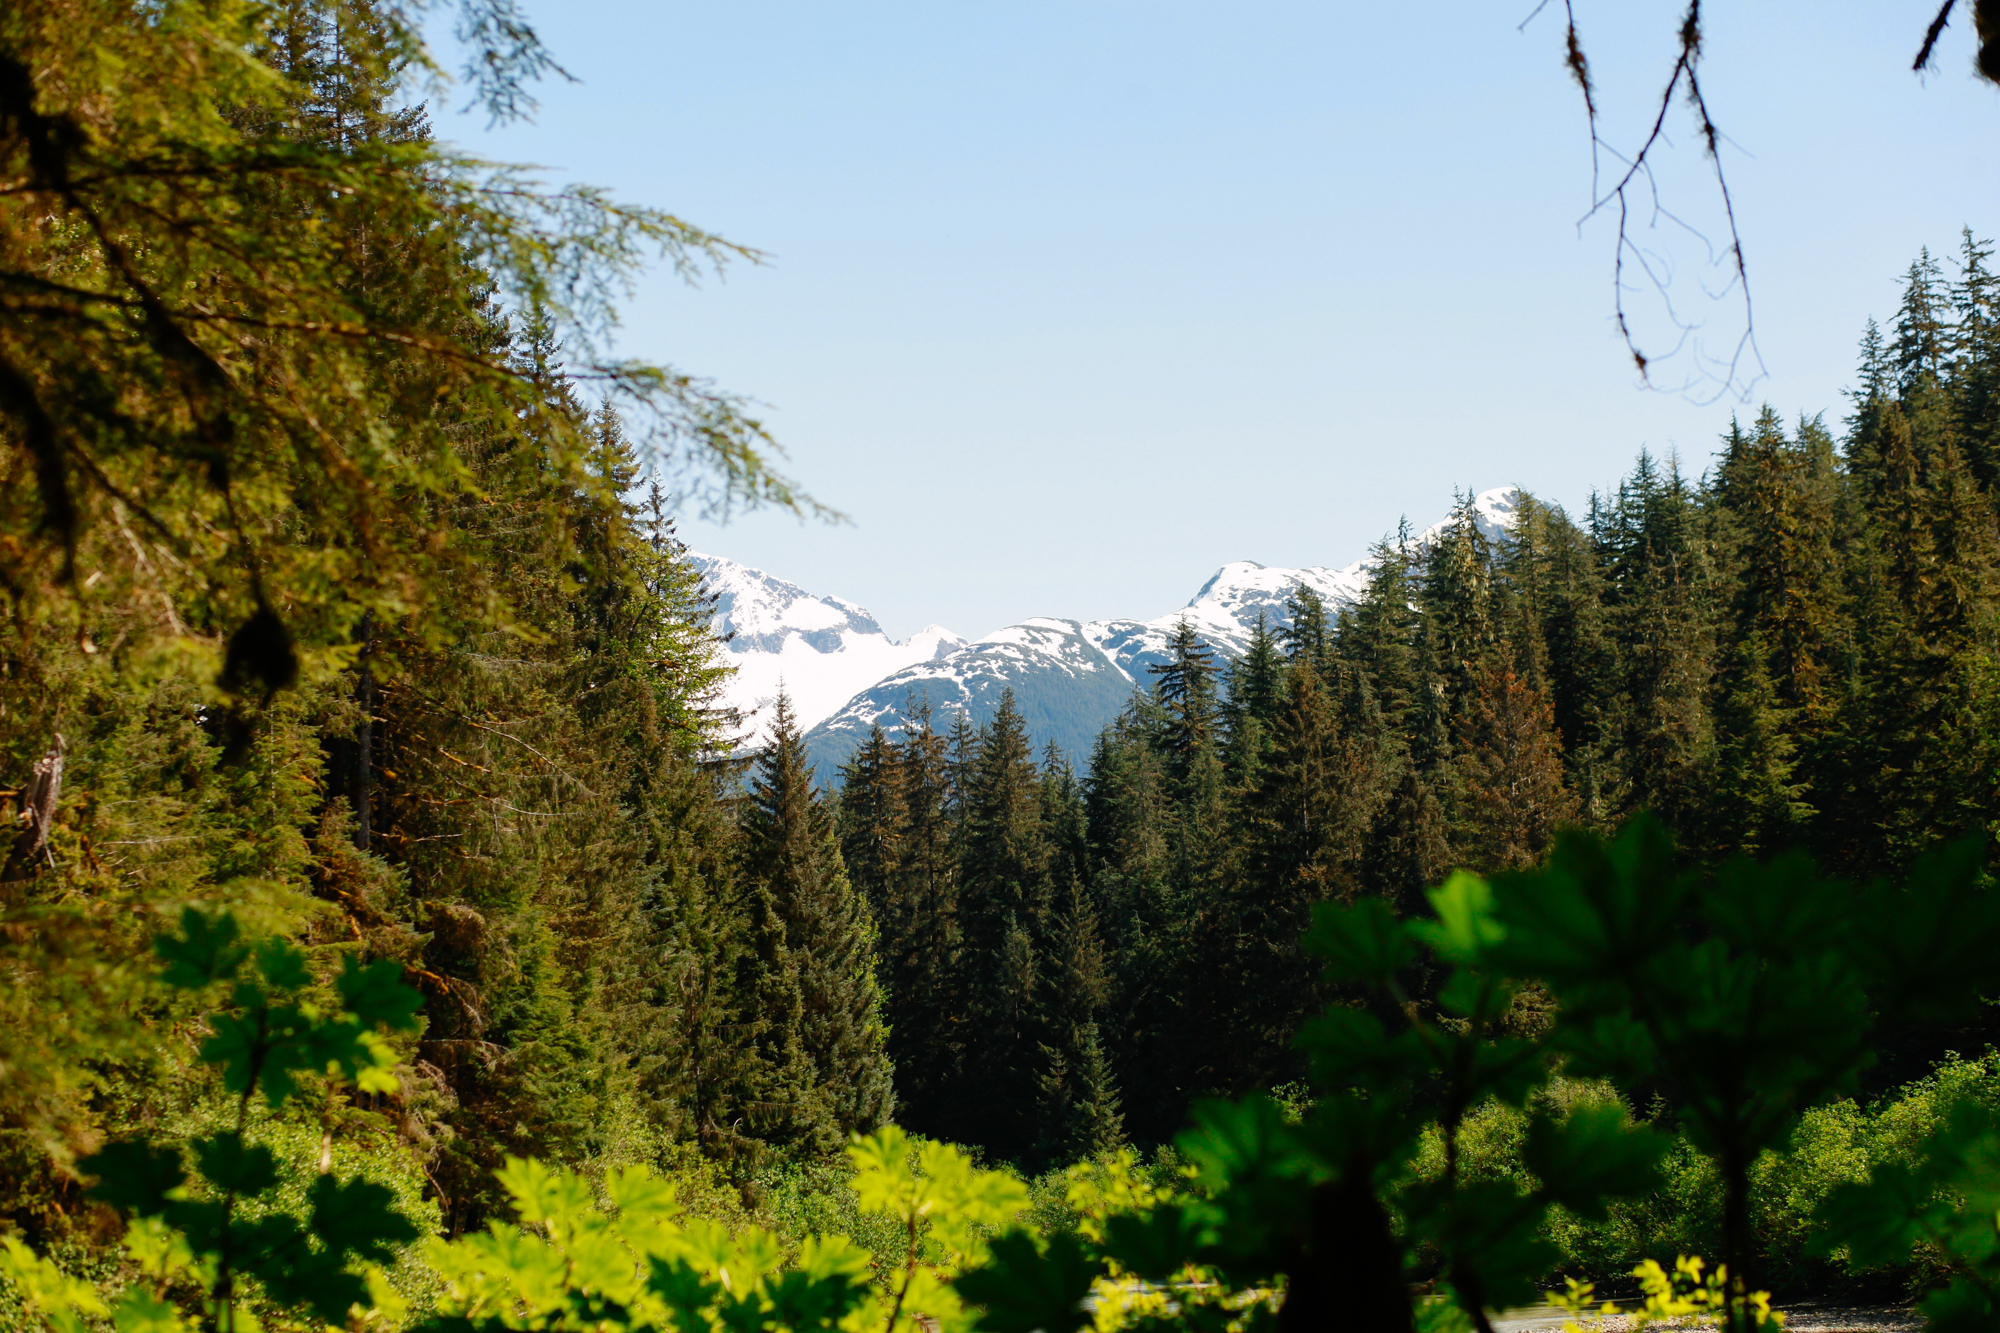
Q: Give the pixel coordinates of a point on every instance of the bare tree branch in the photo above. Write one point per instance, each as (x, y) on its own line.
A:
(1923, 59)
(1682, 80)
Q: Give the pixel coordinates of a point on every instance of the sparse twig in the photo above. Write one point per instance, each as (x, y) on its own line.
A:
(1683, 80)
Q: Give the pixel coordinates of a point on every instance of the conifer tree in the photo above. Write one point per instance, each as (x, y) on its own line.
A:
(1975, 360)
(1190, 736)
(1457, 596)
(1004, 904)
(872, 819)
(1558, 595)
(1300, 834)
(816, 943)
(1512, 774)
(1757, 806)
(921, 943)
(1256, 682)
(1378, 635)
(1127, 814)
(1923, 326)
(1777, 502)
(1662, 603)
(1078, 1106)
(1409, 844)
(1307, 631)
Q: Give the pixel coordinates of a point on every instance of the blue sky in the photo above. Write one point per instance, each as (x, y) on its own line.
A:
(1069, 303)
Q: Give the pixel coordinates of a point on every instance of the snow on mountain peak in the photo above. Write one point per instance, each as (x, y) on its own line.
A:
(845, 675)
(1494, 511)
(819, 650)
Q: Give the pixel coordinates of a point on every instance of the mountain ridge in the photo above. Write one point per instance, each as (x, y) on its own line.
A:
(1070, 678)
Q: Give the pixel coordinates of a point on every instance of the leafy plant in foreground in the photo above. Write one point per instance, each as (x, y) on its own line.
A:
(1738, 1000)
(193, 1226)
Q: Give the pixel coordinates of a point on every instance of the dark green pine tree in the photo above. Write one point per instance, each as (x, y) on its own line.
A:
(1409, 844)
(1923, 327)
(1549, 572)
(1456, 595)
(1300, 832)
(1307, 631)
(921, 943)
(1256, 695)
(1756, 806)
(825, 1040)
(1379, 634)
(1186, 733)
(1078, 1113)
(1382, 642)
(872, 816)
(1004, 902)
(1914, 775)
(1126, 818)
(1663, 606)
(1190, 718)
(1775, 502)
(1975, 359)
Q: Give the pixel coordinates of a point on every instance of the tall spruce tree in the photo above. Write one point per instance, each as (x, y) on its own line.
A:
(825, 1040)
(1300, 831)
(926, 994)
(1004, 905)
(1256, 681)
(1077, 1109)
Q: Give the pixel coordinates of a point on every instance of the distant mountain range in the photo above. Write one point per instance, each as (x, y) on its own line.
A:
(1070, 678)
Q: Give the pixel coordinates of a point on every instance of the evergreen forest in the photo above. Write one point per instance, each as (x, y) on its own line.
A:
(397, 933)
(1794, 650)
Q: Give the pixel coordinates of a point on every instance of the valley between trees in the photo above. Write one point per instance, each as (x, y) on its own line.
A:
(396, 936)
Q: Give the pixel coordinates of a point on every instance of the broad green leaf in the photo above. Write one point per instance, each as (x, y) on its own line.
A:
(1489, 1235)
(1160, 1244)
(140, 1311)
(1233, 1141)
(283, 965)
(1962, 1307)
(1933, 945)
(1878, 1221)
(62, 1300)
(358, 1218)
(375, 994)
(1348, 1046)
(685, 1290)
(831, 1280)
(1592, 1157)
(1783, 908)
(206, 950)
(639, 1194)
(1595, 912)
(1362, 942)
(1465, 927)
(156, 1249)
(134, 1176)
(543, 1193)
(833, 1257)
(1021, 1289)
(235, 1167)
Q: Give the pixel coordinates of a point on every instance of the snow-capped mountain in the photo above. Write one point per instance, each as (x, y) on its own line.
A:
(1070, 678)
(1065, 685)
(821, 650)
